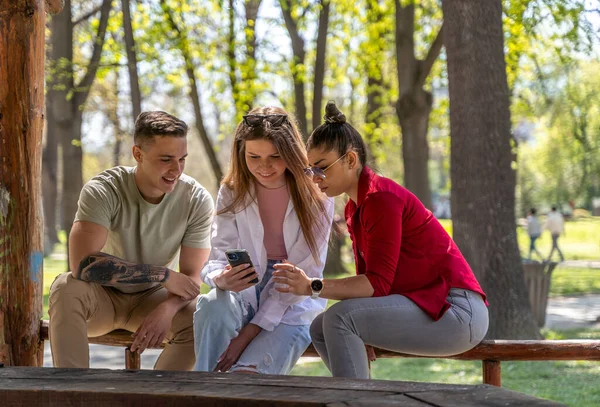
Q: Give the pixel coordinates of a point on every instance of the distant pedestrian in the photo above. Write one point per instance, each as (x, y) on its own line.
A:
(534, 230)
(555, 223)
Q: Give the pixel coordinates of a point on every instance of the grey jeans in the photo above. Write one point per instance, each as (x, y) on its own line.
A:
(395, 323)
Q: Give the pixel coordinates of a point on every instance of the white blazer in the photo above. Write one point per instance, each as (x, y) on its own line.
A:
(244, 230)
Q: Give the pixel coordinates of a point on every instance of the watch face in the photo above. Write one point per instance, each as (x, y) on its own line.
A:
(316, 285)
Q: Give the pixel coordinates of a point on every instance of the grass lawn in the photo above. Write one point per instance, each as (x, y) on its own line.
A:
(581, 240)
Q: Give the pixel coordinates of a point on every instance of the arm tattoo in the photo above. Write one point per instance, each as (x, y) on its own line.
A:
(105, 269)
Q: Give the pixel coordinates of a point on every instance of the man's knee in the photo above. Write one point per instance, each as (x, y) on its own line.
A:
(66, 287)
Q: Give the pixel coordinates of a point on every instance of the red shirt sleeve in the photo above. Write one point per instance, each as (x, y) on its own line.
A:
(381, 223)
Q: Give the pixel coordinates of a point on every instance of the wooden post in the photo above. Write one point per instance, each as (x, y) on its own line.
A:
(132, 359)
(492, 373)
(22, 29)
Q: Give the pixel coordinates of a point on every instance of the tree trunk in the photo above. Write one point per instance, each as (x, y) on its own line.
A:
(194, 95)
(413, 114)
(297, 66)
(373, 63)
(334, 265)
(60, 104)
(22, 31)
(50, 176)
(113, 115)
(232, 63)
(251, 7)
(414, 103)
(70, 99)
(320, 63)
(134, 82)
(483, 182)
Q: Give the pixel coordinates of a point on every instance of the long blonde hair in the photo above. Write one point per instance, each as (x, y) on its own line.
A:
(309, 202)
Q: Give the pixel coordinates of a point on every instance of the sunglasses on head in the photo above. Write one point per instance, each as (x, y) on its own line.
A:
(317, 172)
(255, 120)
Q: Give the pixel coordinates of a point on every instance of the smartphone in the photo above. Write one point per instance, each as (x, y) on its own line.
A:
(235, 257)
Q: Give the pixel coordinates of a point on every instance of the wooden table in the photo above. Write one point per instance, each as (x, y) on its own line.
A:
(27, 386)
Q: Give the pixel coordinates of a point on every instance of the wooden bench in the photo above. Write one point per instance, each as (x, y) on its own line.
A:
(49, 387)
(491, 353)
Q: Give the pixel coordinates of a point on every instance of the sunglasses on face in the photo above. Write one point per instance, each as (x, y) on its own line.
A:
(317, 172)
(255, 120)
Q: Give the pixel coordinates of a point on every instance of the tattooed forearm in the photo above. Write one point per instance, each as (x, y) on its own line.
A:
(105, 269)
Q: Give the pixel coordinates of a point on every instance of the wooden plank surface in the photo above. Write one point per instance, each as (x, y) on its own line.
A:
(480, 396)
(100, 387)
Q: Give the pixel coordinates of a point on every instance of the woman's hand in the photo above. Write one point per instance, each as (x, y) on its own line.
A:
(294, 279)
(236, 347)
(370, 353)
(232, 353)
(236, 279)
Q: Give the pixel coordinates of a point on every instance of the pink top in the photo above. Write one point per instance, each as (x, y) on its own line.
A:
(272, 205)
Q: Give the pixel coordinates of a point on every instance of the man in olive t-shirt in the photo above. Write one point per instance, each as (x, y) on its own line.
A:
(133, 226)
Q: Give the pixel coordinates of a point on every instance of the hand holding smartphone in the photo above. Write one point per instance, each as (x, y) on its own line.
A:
(236, 257)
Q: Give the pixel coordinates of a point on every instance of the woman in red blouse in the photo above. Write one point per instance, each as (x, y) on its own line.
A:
(413, 293)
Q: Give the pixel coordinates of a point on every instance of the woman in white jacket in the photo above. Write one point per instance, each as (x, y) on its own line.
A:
(268, 206)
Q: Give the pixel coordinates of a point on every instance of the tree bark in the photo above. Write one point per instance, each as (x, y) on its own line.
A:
(320, 64)
(414, 104)
(194, 94)
(231, 60)
(373, 63)
(113, 116)
(50, 165)
(22, 31)
(70, 99)
(297, 65)
(50, 180)
(251, 7)
(483, 182)
(334, 265)
(134, 82)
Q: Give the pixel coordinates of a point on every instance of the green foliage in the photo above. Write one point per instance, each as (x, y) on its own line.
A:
(560, 162)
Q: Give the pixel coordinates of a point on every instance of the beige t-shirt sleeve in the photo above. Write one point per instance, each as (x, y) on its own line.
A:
(98, 203)
(197, 233)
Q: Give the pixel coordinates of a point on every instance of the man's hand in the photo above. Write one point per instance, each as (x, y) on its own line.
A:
(236, 279)
(182, 285)
(154, 329)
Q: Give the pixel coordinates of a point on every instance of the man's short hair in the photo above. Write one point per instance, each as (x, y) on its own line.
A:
(157, 123)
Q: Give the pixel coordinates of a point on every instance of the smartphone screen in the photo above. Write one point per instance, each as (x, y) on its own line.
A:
(239, 256)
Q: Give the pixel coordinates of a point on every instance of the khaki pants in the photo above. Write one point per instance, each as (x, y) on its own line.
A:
(79, 310)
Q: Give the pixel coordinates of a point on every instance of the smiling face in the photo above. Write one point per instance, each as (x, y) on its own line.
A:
(265, 163)
(160, 163)
(340, 177)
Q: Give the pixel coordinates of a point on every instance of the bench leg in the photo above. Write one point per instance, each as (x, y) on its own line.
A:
(132, 360)
(492, 373)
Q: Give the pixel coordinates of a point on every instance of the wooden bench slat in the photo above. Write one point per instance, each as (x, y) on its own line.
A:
(490, 352)
(499, 350)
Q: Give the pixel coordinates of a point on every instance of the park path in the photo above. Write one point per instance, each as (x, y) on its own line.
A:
(588, 264)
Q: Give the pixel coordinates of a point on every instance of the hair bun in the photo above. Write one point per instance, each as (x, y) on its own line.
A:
(333, 114)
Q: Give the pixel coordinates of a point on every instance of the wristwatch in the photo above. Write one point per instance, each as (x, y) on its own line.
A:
(316, 285)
